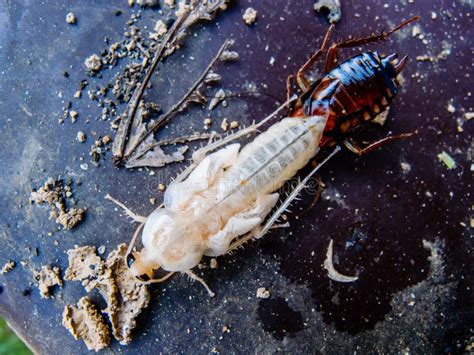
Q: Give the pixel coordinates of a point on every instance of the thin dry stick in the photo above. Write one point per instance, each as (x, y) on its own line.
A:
(131, 111)
(176, 108)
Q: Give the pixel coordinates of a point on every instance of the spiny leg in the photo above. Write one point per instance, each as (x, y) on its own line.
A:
(135, 217)
(354, 148)
(300, 78)
(164, 278)
(201, 281)
(260, 232)
(332, 56)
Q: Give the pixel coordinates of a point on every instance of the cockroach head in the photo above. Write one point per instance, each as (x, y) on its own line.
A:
(392, 65)
(139, 267)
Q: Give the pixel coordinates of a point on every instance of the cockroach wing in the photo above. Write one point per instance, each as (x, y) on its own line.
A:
(203, 176)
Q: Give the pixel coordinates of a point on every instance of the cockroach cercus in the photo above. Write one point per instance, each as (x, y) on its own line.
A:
(226, 196)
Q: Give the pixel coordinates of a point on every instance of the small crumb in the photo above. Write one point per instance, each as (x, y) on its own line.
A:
(234, 124)
(262, 292)
(416, 31)
(153, 201)
(450, 107)
(218, 97)
(333, 7)
(169, 3)
(106, 139)
(131, 2)
(160, 28)
(71, 18)
(101, 249)
(73, 115)
(272, 61)
(46, 278)
(81, 137)
(226, 329)
(162, 187)
(229, 56)
(250, 16)
(207, 121)
(84, 166)
(93, 63)
(406, 168)
(468, 116)
(9, 266)
(434, 16)
(77, 94)
(213, 263)
(447, 160)
(224, 124)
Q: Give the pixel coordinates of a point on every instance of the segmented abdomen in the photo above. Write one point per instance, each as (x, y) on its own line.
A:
(277, 154)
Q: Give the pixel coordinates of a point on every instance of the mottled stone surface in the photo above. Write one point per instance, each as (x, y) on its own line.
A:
(377, 210)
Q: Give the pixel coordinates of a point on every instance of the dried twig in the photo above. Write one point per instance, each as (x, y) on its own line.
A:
(189, 13)
(178, 107)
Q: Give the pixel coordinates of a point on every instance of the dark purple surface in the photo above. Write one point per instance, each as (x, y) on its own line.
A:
(377, 215)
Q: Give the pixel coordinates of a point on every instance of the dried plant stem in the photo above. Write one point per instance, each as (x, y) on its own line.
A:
(131, 111)
(163, 119)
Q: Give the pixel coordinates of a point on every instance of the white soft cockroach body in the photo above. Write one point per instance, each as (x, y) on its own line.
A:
(224, 199)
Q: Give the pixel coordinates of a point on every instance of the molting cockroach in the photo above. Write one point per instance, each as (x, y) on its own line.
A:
(224, 199)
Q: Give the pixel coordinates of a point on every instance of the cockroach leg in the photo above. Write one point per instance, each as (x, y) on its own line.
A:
(300, 78)
(259, 232)
(332, 56)
(201, 281)
(289, 79)
(129, 213)
(354, 148)
(162, 279)
(200, 154)
(317, 196)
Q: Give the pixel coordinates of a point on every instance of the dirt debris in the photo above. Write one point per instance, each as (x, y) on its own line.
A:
(333, 6)
(9, 266)
(262, 292)
(46, 278)
(57, 193)
(250, 16)
(125, 296)
(93, 63)
(218, 97)
(71, 18)
(84, 322)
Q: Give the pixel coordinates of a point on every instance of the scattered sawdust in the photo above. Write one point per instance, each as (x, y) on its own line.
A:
(84, 322)
(9, 266)
(250, 16)
(93, 63)
(262, 292)
(81, 137)
(124, 295)
(333, 6)
(71, 18)
(213, 263)
(218, 97)
(234, 124)
(55, 193)
(225, 124)
(159, 30)
(46, 278)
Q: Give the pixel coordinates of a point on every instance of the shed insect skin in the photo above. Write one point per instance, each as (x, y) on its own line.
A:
(225, 199)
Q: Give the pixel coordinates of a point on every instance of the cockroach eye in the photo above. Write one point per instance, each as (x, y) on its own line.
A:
(130, 259)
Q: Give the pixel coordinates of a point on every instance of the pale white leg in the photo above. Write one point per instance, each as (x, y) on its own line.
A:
(164, 278)
(200, 154)
(201, 281)
(260, 231)
(128, 212)
(241, 224)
